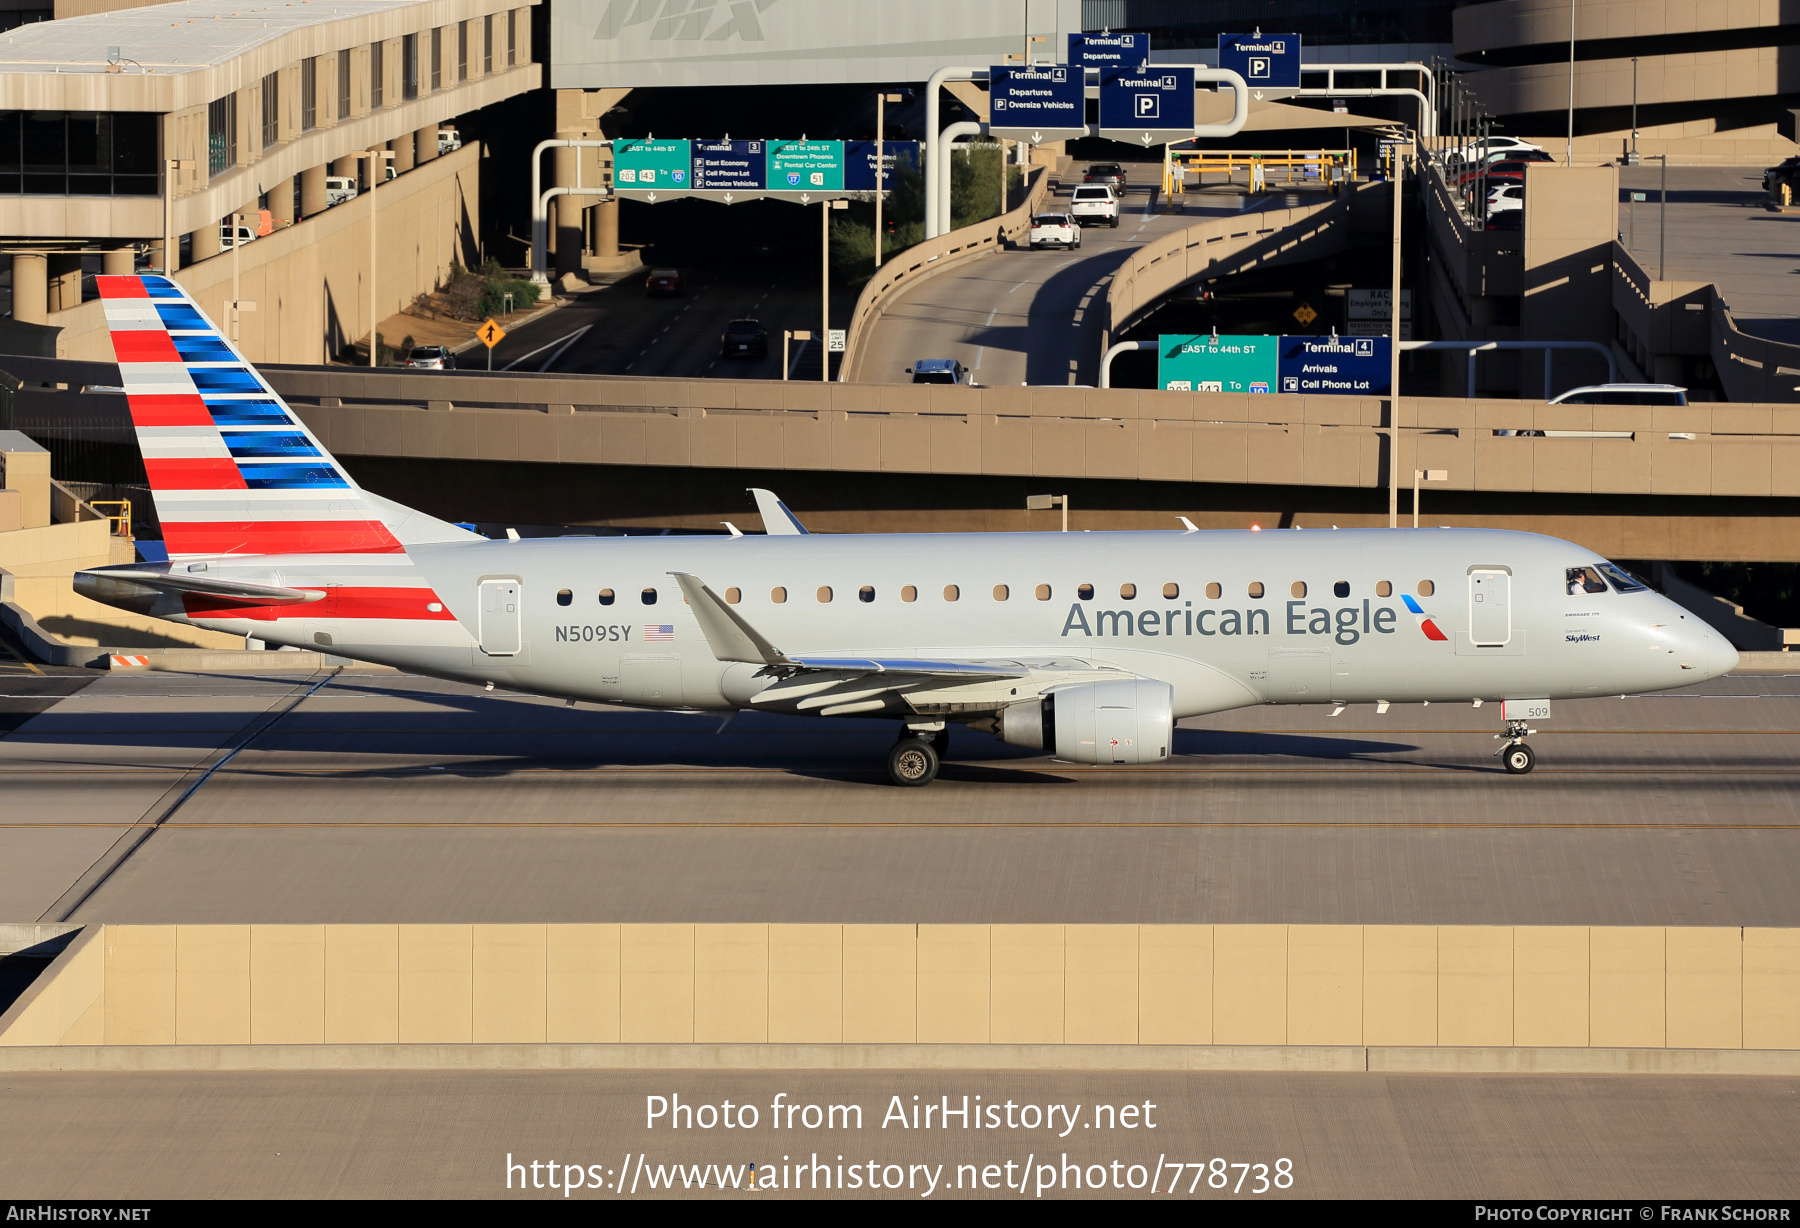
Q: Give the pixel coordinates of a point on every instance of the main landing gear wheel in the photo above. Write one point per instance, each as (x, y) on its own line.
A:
(912, 762)
(1519, 759)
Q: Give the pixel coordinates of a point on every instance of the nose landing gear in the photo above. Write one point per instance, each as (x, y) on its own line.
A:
(1516, 757)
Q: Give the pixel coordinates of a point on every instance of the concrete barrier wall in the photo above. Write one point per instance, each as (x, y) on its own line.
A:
(929, 258)
(1505, 986)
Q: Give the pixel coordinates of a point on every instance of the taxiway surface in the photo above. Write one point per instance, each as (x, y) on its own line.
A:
(378, 797)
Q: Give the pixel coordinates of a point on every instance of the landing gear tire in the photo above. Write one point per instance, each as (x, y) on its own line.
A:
(913, 762)
(1519, 759)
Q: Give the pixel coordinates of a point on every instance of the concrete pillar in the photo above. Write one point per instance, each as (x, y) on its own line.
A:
(30, 280)
(425, 145)
(119, 262)
(345, 166)
(65, 281)
(403, 153)
(565, 211)
(203, 242)
(281, 203)
(312, 190)
(606, 229)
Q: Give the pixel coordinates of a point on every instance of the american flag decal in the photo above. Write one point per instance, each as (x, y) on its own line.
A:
(663, 631)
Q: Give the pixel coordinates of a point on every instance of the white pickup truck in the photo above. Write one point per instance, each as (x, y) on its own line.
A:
(1095, 205)
(1054, 230)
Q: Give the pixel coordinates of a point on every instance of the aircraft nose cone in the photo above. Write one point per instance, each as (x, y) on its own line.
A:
(1708, 653)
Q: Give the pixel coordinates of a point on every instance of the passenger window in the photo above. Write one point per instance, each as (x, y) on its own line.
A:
(1128, 591)
(1298, 588)
(733, 596)
(865, 594)
(1000, 592)
(909, 593)
(1341, 589)
(606, 596)
(951, 592)
(1213, 591)
(1171, 590)
(1043, 592)
(1383, 589)
(564, 596)
(649, 596)
(778, 595)
(824, 594)
(1426, 588)
(1583, 580)
(1085, 592)
(1256, 588)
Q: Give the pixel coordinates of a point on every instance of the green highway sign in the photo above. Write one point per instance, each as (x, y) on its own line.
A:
(652, 169)
(806, 166)
(1217, 362)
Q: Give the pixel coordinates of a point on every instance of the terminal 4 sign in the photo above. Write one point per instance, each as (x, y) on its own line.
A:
(1047, 102)
(1312, 366)
(1108, 50)
(1264, 61)
(729, 171)
(1147, 106)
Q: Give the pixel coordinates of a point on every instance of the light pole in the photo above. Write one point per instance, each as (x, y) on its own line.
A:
(1634, 128)
(377, 161)
(1569, 151)
(238, 304)
(825, 208)
(1430, 475)
(1398, 179)
(170, 250)
(1043, 503)
(881, 101)
(1662, 223)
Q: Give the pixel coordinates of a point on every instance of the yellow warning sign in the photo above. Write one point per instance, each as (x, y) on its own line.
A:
(490, 334)
(1303, 313)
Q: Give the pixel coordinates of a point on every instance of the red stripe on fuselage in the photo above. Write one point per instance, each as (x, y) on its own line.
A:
(121, 287)
(1431, 631)
(345, 602)
(144, 345)
(199, 473)
(168, 409)
(280, 537)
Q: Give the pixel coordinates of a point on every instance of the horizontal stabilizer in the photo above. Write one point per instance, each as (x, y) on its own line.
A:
(201, 585)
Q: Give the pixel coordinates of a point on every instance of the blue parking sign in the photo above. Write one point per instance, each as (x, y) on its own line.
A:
(1151, 105)
(1264, 61)
(1046, 102)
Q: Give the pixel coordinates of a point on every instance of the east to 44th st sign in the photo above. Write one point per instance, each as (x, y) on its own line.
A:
(1333, 366)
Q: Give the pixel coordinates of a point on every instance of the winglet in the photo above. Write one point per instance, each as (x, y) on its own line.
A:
(1191, 527)
(777, 519)
(729, 637)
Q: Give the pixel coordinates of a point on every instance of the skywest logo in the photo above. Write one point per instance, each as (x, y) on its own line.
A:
(1346, 624)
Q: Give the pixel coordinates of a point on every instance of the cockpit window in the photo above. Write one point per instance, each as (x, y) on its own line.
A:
(1584, 580)
(1621, 579)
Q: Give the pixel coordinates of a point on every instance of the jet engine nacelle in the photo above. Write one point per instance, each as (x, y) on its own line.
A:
(1129, 721)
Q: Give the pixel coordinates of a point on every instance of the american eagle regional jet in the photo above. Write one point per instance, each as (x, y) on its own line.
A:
(1086, 645)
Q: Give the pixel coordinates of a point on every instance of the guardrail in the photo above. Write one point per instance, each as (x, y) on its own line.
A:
(931, 257)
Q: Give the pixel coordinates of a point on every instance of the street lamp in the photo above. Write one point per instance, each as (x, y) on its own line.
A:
(170, 251)
(825, 208)
(1397, 180)
(881, 101)
(1043, 503)
(1429, 475)
(238, 303)
(787, 335)
(1569, 152)
(377, 158)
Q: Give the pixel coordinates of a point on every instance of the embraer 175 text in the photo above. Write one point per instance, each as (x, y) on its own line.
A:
(1086, 645)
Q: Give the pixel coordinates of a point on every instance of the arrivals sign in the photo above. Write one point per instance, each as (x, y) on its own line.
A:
(1264, 61)
(1108, 50)
(1312, 366)
(859, 164)
(1147, 106)
(1046, 102)
(1337, 366)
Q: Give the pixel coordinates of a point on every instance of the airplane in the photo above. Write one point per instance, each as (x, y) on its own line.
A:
(1089, 646)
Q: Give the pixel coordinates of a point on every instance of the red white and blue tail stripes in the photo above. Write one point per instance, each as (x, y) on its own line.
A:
(234, 472)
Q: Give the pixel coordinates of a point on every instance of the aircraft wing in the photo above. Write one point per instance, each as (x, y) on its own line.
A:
(731, 638)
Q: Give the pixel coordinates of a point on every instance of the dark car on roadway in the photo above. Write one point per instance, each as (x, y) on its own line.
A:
(744, 339)
(941, 371)
(1109, 173)
(664, 283)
